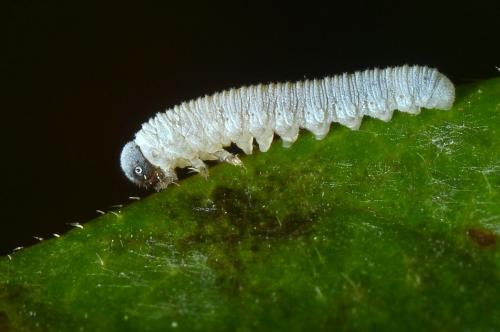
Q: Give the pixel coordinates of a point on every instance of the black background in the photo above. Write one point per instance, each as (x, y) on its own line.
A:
(79, 79)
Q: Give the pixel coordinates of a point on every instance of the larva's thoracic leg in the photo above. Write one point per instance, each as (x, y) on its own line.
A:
(228, 157)
(198, 166)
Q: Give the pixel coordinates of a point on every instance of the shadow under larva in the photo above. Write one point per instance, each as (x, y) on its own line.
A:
(198, 130)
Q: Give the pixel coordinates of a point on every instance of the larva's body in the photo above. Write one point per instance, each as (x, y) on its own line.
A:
(200, 129)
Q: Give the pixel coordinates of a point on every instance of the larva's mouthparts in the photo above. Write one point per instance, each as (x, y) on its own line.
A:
(160, 179)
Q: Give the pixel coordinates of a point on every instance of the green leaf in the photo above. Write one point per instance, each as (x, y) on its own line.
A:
(392, 227)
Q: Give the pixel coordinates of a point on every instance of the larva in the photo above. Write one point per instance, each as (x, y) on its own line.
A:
(199, 129)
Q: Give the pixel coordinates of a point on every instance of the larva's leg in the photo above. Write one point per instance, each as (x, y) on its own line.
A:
(245, 143)
(228, 157)
(288, 136)
(320, 130)
(264, 139)
(355, 123)
(198, 166)
(411, 109)
(286, 143)
(385, 116)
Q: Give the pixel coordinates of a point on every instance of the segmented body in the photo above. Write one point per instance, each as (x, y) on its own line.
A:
(199, 129)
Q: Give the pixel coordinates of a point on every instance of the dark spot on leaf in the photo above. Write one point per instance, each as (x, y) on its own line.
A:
(233, 223)
(231, 216)
(482, 237)
(4, 322)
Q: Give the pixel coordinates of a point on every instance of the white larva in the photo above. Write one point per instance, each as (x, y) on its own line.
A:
(199, 129)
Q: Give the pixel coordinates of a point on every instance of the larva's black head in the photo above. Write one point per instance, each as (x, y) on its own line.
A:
(140, 171)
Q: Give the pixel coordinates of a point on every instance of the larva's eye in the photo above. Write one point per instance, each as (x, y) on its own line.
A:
(138, 170)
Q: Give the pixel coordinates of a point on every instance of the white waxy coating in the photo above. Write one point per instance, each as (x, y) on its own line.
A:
(199, 129)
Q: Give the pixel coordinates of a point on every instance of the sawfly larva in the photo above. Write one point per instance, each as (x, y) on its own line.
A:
(199, 129)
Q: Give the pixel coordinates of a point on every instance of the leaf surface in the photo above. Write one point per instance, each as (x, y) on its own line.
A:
(392, 227)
